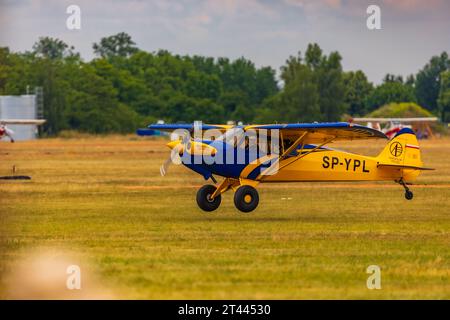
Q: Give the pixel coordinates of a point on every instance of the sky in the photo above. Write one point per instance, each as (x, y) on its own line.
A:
(264, 31)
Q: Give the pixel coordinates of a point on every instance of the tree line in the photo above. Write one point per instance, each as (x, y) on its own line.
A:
(124, 87)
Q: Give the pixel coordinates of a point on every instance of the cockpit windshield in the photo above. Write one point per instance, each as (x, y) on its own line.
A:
(233, 136)
(239, 138)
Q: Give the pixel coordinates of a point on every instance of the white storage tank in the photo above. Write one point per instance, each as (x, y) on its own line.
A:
(20, 107)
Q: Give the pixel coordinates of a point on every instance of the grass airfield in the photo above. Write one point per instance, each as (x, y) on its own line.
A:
(102, 204)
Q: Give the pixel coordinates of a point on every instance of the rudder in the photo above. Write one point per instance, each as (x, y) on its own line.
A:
(402, 150)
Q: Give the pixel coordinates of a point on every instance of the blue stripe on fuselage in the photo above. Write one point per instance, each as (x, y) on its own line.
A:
(231, 169)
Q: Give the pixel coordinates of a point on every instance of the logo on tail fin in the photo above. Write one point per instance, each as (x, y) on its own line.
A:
(396, 149)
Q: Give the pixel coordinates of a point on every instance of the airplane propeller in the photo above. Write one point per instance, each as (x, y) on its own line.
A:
(173, 157)
(178, 148)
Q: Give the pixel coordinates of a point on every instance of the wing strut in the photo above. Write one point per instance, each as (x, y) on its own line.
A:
(293, 146)
(297, 142)
(285, 153)
(305, 154)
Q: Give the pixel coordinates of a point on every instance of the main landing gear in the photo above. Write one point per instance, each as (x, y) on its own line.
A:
(408, 193)
(205, 200)
(246, 197)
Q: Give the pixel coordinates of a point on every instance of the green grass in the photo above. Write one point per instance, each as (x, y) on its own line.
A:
(104, 201)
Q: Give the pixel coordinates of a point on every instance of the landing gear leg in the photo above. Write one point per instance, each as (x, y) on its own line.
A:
(209, 196)
(408, 193)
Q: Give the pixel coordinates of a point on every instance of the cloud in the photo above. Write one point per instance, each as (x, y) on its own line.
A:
(266, 31)
(351, 7)
(416, 5)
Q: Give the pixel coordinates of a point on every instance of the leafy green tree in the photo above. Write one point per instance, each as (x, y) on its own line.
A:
(392, 78)
(207, 65)
(300, 100)
(19, 73)
(428, 81)
(392, 91)
(5, 68)
(231, 100)
(444, 96)
(270, 111)
(181, 107)
(358, 89)
(331, 87)
(93, 106)
(410, 81)
(326, 88)
(51, 48)
(237, 75)
(120, 45)
(125, 87)
(266, 84)
(48, 75)
(203, 86)
(314, 56)
(289, 72)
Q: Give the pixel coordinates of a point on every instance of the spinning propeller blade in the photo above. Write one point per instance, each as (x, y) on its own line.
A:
(174, 157)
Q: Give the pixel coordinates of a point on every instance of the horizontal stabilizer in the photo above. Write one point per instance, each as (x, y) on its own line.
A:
(403, 167)
(146, 132)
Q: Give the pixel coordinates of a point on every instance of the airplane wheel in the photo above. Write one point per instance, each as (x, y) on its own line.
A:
(204, 198)
(246, 198)
(408, 195)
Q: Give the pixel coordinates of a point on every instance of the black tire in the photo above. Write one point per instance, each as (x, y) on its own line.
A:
(246, 198)
(408, 195)
(203, 198)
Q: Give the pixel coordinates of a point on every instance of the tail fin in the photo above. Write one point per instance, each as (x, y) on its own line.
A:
(402, 151)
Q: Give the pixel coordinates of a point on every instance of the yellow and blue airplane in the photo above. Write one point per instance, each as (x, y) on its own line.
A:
(302, 156)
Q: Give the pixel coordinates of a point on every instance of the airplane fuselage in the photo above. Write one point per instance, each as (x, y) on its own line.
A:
(304, 164)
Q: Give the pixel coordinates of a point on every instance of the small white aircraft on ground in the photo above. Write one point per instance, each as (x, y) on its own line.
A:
(6, 132)
(391, 126)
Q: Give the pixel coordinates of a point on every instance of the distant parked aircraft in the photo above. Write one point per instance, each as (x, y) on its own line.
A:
(6, 132)
(393, 125)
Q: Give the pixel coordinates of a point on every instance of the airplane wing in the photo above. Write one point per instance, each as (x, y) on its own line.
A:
(169, 127)
(316, 132)
(323, 132)
(22, 121)
(403, 120)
